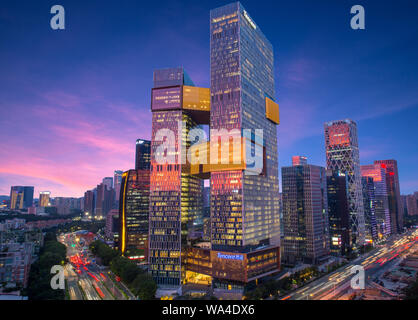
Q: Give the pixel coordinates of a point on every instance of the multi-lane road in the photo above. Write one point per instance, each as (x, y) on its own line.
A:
(85, 279)
(375, 263)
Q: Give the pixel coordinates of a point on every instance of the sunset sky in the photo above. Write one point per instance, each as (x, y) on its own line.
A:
(73, 102)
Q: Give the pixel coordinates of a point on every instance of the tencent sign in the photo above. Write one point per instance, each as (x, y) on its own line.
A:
(230, 256)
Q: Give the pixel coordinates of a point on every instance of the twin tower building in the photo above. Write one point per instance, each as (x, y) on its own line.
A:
(224, 136)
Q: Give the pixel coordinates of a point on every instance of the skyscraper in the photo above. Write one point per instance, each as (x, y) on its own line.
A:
(134, 213)
(369, 209)
(342, 154)
(299, 160)
(412, 204)
(394, 195)
(21, 197)
(338, 213)
(244, 204)
(175, 194)
(117, 181)
(89, 203)
(142, 154)
(108, 182)
(44, 198)
(305, 214)
(380, 203)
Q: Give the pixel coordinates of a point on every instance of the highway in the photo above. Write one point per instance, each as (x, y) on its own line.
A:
(82, 272)
(375, 263)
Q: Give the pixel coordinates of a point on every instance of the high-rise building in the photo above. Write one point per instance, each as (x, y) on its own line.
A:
(412, 204)
(108, 182)
(244, 214)
(369, 209)
(67, 205)
(305, 214)
(142, 154)
(134, 213)
(44, 198)
(299, 160)
(381, 204)
(394, 195)
(338, 213)
(244, 204)
(89, 203)
(117, 181)
(342, 154)
(176, 201)
(21, 197)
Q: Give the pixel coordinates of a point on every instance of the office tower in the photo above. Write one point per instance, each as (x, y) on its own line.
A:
(108, 182)
(89, 203)
(369, 209)
(104, 198)
(44, 198)
(175, 194)
(142, 154)
(412, 204)
(394, 195)
(299, 160)
(305, 214)
(342, 153)
(338, 213)
(244, 204)
(381, 204)
(134, 213)
(112, 225)
(21, 197)
(117, 181)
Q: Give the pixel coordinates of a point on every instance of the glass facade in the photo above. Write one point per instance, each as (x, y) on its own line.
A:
(342, 155)
(394, 196)
(305, 214)
(134, 212)
(338, 213)
(244, 207)
(380, 203)
(176, 201)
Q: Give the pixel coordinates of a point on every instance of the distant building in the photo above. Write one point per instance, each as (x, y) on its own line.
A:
(142, 154)
(108, 182)
(394, 195)
(339, 213)
(112, 224)
(305, 214)
(299, 160)
(89, 203)
(21, 197)
(105, 196)
(67, 205)
(117, 181)
(44, 198)
(342, 154)
(381, 200)
(412, 204)
(369, 209)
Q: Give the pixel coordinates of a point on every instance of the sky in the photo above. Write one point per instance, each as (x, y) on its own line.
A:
(74, 101)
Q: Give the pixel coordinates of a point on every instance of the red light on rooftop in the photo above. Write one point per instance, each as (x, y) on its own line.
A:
(391, 173)
(383, 166)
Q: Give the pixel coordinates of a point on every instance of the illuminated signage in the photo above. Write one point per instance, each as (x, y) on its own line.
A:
(250, 21)
(230, 256)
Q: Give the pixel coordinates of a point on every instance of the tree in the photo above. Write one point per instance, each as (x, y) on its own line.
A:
(144, 287)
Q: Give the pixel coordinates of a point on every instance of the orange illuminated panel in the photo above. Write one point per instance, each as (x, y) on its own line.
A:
(339, 135)
(272, 111)
(195, 98)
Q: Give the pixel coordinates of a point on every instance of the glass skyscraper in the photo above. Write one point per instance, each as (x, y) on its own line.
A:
(305, 214)
(394, 195)
(342, 155)
(134, 213)
(244, 206)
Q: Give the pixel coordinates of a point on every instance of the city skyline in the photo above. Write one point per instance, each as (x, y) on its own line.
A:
(93, 98)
